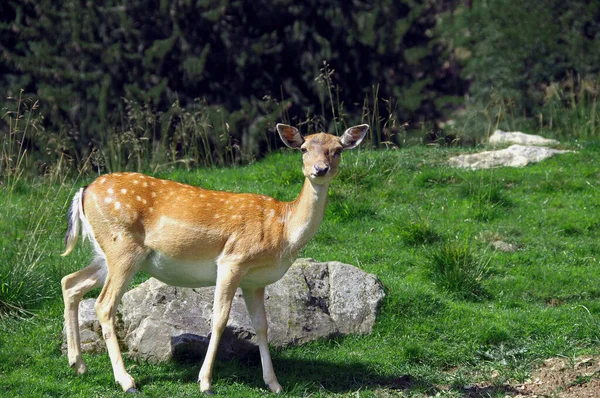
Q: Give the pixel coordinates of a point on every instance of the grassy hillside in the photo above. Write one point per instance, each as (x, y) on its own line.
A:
(457, 311)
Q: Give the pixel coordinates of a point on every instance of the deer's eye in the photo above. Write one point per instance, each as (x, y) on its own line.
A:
(337, 152)
(303, 150)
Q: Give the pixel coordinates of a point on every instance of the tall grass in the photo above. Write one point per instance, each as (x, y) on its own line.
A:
(567, 110)
(204, 135)
(199, 135)
(14, 152)
(457, 268)
(571, 109)
(29, 215)
(386, 129)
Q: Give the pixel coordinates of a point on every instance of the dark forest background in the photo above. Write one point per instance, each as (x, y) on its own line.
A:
(111, 82)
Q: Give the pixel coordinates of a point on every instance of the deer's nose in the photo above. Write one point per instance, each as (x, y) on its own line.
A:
(321, 169)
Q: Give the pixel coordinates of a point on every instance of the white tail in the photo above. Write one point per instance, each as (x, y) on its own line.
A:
(192, 237)
(74, 216)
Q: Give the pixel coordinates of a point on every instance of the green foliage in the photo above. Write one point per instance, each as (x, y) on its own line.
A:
(237, 63)
(515, 48)
(531, 65)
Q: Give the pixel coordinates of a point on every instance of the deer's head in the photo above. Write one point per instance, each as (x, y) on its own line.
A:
(321, 153)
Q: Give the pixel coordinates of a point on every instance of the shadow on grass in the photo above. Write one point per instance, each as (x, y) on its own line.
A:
(302, 377)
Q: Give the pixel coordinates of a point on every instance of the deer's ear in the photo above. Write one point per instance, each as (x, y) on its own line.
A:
(290, 135)
(354, 136)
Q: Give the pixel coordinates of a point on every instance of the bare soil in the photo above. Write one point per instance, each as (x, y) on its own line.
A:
(563, 378)
(556, 378)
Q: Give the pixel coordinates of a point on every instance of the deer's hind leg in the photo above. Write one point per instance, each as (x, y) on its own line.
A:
(124, 260)
(74, 287)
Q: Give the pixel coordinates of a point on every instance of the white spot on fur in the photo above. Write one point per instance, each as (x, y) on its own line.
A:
(145, 184)
(123, 191)
(117, 205)
(151, 210)
(110, 191)
(136, 182)
(102, 181)
(138, 198)
(108, 199)
(153, 194)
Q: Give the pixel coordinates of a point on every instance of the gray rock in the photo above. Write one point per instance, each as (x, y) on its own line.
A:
(503, 246)
(516, 137)
(513, 156)
(312, 301)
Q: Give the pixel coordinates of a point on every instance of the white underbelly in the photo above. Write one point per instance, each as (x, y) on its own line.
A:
(265, 275)
(203, 272)
(184, 273)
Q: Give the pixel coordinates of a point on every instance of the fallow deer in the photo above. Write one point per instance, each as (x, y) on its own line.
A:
(192, 237)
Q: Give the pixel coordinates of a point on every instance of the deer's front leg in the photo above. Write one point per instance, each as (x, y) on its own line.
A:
(228, 279)
(255, 302)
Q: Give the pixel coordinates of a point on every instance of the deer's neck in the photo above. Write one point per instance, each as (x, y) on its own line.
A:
(306, 214)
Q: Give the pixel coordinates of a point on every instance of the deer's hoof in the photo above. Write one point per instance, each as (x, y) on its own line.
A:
(275, 388)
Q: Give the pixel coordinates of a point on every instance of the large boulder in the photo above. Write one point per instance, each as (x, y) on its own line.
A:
(313, 300)
(513, 156)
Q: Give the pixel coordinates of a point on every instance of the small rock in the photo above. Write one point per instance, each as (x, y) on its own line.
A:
(516, 137)
(513, 156)
(503, 246)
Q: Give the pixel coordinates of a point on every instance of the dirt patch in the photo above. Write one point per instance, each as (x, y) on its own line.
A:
(563, 378)
(555, 378)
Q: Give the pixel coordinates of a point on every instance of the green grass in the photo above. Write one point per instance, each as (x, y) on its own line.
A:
(393, 213)
(456, 268)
